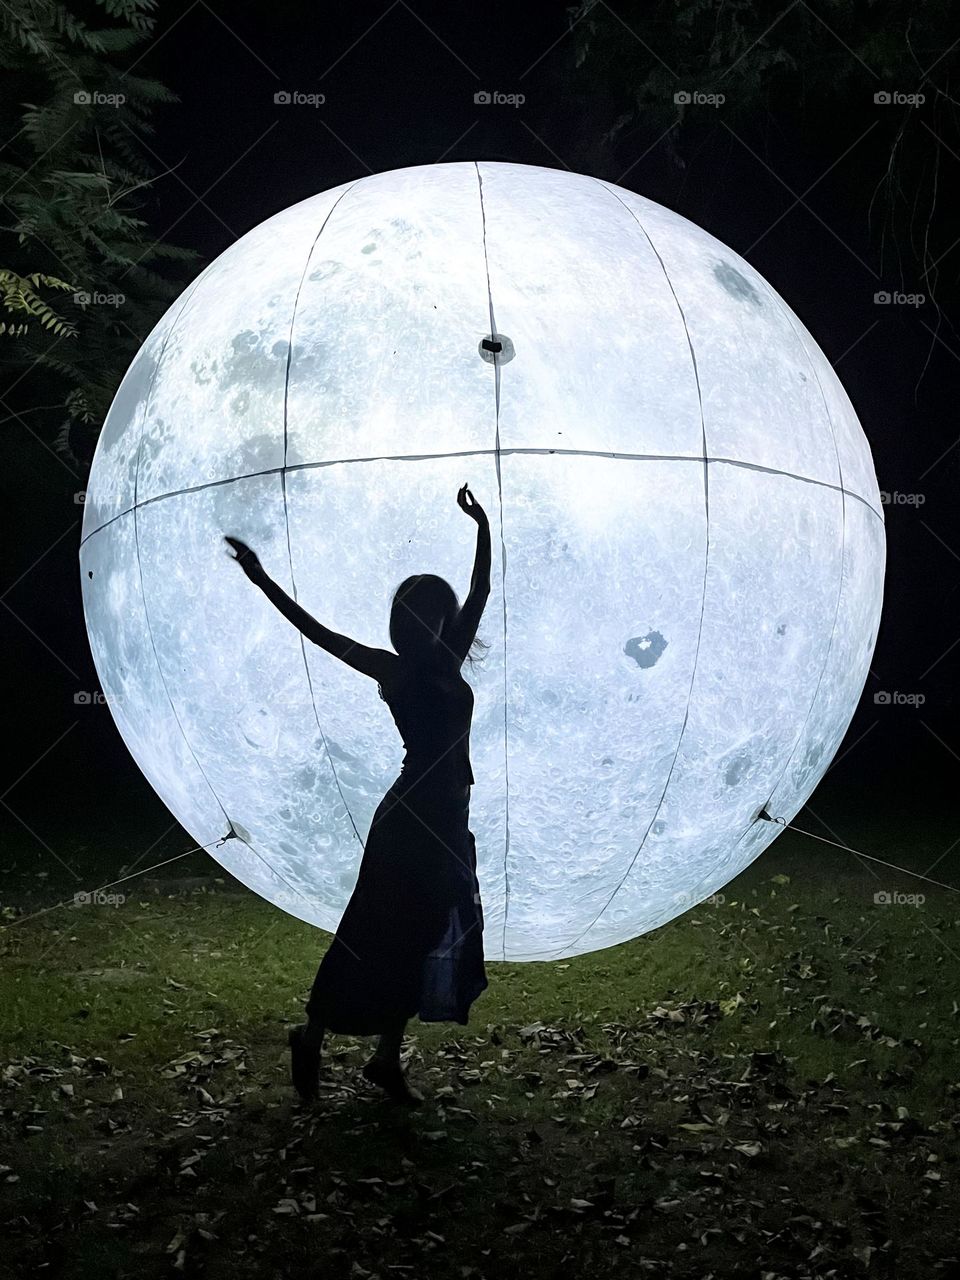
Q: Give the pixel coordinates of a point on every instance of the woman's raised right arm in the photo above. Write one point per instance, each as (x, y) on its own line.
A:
(376, 663)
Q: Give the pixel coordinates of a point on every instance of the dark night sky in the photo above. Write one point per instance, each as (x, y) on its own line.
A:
(401, 94)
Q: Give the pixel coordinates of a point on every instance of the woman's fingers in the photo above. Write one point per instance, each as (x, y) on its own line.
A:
(243, 552)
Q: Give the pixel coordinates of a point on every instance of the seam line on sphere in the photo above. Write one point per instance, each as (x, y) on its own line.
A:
(153, 379)
(183, 735)
(173, 710)
(503, 581)
(479, 453)
(286, 513)
(706, 565)
(163, 678)
(136, 545)
(836, 613)
(146, 611)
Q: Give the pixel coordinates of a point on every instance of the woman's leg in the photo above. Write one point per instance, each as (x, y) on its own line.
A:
(306, 1043)
(384, 1070)
(388, 1047)
(313, 1035)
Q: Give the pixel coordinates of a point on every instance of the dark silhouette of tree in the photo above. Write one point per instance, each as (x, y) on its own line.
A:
(792, 75)
(81, 274)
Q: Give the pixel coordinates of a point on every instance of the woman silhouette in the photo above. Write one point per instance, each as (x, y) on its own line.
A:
(411, 938)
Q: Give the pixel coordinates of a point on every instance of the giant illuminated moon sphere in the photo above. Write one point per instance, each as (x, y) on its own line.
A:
(689, 543)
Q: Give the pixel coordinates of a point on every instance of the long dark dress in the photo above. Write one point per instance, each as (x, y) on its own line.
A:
(410, 941)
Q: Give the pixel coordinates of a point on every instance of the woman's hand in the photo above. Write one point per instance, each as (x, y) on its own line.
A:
(246, 559)
(468, 504)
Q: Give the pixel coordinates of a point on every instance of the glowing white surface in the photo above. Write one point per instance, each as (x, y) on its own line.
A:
(635, 769)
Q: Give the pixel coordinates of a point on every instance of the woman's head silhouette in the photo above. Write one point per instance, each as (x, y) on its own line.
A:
(424, 607)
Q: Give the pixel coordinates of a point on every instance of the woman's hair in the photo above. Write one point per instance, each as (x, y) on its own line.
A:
(424, 607)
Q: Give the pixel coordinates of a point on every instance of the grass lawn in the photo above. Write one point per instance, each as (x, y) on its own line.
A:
(768, 1086)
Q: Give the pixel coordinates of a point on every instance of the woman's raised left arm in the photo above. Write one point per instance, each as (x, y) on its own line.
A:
(465, 628)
